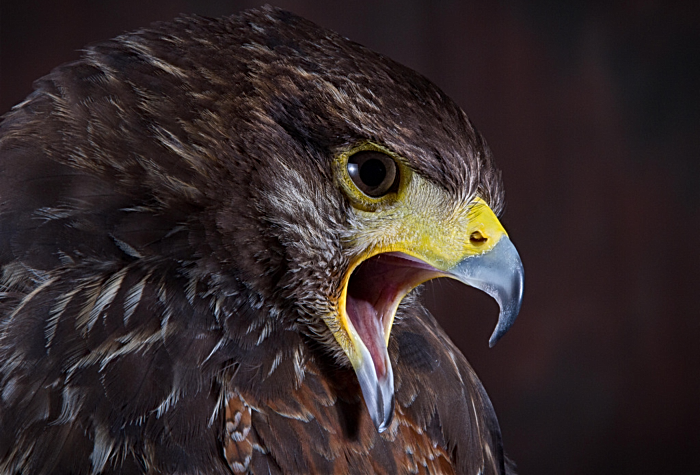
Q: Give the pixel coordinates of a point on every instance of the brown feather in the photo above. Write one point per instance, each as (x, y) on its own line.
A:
(170, 234)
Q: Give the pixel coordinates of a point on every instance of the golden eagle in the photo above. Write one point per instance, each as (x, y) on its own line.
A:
(210, 231)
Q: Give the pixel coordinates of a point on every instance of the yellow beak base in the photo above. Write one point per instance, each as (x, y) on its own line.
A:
(472, 247)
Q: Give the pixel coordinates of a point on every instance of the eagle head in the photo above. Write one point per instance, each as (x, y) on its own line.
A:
(362, 181)
(192, 212)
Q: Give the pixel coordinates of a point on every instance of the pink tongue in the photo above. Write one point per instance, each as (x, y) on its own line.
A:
(373, 290)
(370, 328)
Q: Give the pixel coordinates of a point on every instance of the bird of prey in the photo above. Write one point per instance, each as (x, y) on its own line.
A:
(210, 234)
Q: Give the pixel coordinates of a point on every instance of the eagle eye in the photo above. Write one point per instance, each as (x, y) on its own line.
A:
(374, 173)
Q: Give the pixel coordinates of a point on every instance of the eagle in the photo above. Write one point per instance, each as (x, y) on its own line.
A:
(213, 233)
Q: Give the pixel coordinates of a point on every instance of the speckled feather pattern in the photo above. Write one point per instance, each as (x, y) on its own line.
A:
(170, 233)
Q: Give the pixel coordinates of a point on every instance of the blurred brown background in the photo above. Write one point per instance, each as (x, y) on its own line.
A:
(592, 110)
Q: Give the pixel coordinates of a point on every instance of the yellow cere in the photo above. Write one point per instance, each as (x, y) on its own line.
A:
(419, 219)
(425, 223)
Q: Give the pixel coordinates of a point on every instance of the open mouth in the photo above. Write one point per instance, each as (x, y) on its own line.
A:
(472, 248)
(374, 291)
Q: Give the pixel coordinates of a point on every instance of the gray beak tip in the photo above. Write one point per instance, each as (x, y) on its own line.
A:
(499, 273)
(378, 392)
(507, 317)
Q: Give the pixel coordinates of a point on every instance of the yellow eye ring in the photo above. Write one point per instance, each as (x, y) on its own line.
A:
(374, 173)
(371, 176)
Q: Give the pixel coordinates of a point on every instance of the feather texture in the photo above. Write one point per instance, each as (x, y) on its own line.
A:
(170, 233)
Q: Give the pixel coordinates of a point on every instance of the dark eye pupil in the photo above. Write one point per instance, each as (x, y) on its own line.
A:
(372, 172)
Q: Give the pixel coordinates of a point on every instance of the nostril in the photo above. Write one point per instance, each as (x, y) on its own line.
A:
(477, 238)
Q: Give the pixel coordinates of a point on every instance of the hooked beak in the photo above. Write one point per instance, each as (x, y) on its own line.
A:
(498, 272)
(377, 282)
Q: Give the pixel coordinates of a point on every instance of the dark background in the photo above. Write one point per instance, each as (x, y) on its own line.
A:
(592, 110)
